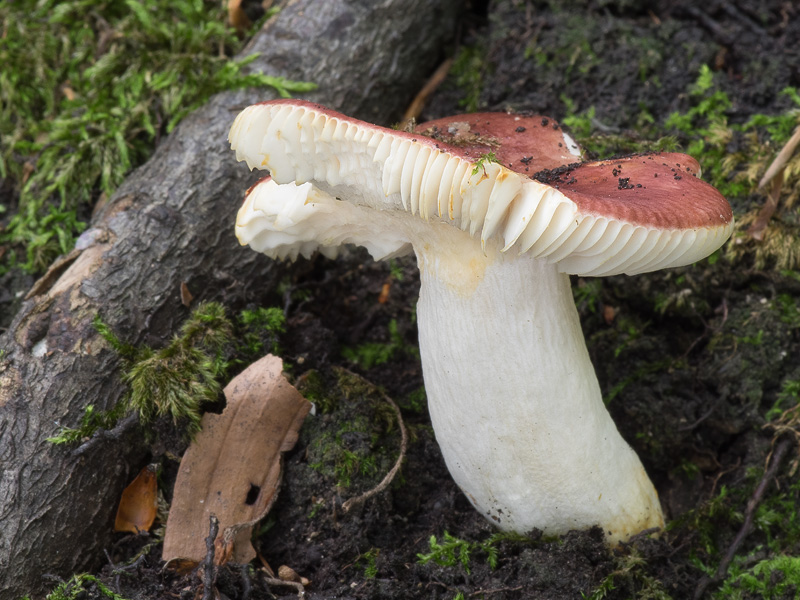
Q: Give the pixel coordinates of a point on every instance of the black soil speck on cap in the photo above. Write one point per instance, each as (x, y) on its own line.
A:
(625, 183)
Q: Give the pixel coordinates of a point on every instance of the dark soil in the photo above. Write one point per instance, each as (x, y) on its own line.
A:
(690, 359)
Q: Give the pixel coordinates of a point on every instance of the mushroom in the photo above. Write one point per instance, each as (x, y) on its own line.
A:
(498, 210)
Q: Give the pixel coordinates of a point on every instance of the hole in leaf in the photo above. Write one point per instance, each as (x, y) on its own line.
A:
(252, 494)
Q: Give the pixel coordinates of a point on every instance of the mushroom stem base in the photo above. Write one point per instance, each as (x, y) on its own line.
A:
(515, 402)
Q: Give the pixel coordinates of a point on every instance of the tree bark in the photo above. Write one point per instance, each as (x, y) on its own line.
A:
(171, 222)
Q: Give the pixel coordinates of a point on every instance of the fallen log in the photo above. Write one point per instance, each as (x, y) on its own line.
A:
(169, 225)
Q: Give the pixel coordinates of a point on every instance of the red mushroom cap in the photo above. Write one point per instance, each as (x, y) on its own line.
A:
(652, 190)
(525, 144)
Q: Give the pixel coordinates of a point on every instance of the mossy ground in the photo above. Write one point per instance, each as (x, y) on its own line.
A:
(695, 363)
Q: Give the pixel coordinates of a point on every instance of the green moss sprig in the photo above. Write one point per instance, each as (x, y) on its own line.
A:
(175, 381)
(452, 551)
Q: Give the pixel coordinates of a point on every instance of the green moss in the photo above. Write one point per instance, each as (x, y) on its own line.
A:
(468, 72)
(583, 126)
(489, 157)
(395, 270)
(369, 562)
(174, 381)
(774, 578)
(777, 526)
(355, 443)
(372, 354)
(315, 389)
(788, 398)
(630, 571)
(571, 52)
(91, 421)
(586, 294)
(452, 551)
(347, 453)
(316, 508)
(777, 519)
(80, 586)
(776, 530)
(788, 308)
(86, 91)
(416, 401)
(177, 380)
(707, 521)
(261, 327)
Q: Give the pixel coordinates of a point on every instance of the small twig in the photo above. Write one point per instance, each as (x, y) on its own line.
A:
(777, 457)
(117, 571)
(120, 429)
(449, 588)
(113, 567)
(787, 423)
(702, 418)
(734, 12)
(495, 590)
(774, 179)
(781, 159)
(387, 480)
(209, 570)
(415, 108)
(642, 534)
(716, 30)
(759, 226)
(247, 586)
(301, 591)
(721, 474)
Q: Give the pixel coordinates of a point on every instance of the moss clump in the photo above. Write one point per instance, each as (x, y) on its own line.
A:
(261, 328)
(452, 551)
(630, 573)
(174, 381)
(468, 72)
(82, 586)
(86, 90)
(372, 354)
(773, 578)
(355, 442)
(178, 379)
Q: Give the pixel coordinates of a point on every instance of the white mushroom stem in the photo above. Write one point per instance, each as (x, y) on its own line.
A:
(515, 403)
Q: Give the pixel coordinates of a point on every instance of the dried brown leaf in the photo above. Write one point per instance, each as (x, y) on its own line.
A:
(383, 298)
(139, 503)
(237, 17)
(233, 467)
(186, 295)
